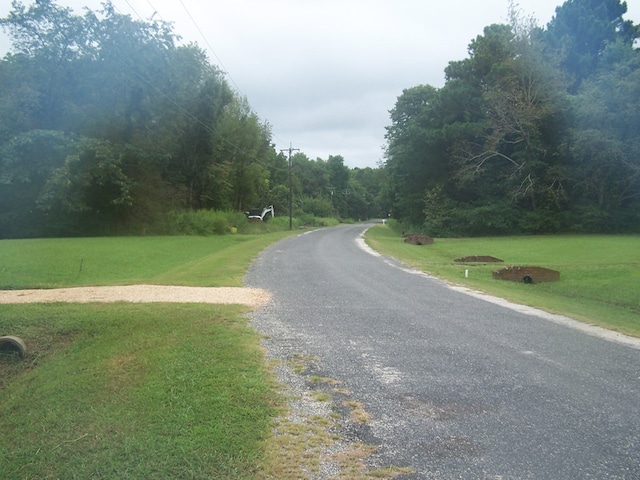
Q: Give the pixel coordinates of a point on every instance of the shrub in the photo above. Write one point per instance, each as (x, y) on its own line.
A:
(318, 207)
(211, 222)
(326, 222)
(198, 222)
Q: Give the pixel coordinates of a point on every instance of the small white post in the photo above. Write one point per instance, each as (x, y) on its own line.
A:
(466, 273)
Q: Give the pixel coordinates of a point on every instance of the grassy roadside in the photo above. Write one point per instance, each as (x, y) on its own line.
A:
(599, 274)
(133, 390)
(193, 261)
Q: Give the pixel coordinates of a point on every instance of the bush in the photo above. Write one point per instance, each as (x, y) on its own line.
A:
(395, 225)
(198, 222)
(326, 222)
(211, 222)
(318, 207)
(282, 223)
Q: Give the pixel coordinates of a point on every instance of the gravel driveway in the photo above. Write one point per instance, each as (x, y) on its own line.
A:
(252, 297)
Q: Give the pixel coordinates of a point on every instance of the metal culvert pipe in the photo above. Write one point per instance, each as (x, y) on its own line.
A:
(10, 345)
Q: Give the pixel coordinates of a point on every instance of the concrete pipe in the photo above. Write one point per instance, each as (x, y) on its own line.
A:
(10, 345)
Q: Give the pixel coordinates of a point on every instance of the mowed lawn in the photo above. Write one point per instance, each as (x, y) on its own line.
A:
(189, 260)
(133, 391)
(599, 274)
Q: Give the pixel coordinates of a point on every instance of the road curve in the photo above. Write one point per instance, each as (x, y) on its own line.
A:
(456, 387)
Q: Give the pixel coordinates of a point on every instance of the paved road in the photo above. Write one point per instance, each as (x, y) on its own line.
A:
(457, 387)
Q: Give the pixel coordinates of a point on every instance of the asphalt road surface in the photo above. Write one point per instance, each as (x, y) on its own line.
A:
(457, 387)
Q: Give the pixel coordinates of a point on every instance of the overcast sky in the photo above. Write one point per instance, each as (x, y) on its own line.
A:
(325, 73)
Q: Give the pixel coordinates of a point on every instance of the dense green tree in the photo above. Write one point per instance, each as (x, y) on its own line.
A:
(603, 143)
(150, 126)
(27, 161)
(91, 187)
(318, 207)
(18, 99)
(415, 150)
(244, 142)
(373, 182)
(521, 105)
(197, 154)
(581, 30)
(48, 40)
(310, 177)
(536, 131)
(338, 175)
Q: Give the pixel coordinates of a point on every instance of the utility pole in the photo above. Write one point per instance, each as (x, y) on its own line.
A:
(290, 149)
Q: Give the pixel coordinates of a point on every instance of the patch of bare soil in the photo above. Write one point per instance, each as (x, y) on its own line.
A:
(253, 297)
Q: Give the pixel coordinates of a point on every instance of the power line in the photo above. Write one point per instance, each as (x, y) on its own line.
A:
(210, 47)
(204, 37)
(133, 9)
(182, 108)
(155, 11)
(225, 70)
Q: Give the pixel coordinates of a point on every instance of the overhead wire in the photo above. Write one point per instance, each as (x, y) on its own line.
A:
(133, 9)
(180, 107)
(155, 11)
(226, 71)
(193, 20)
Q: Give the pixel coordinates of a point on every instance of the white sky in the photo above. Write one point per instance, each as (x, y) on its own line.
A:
(325, 73)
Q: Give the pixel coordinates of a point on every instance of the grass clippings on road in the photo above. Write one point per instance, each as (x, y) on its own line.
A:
(307, 442)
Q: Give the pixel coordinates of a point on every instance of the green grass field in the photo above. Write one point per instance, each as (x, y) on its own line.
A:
(132, 391)
(599, 275)
(211, 261)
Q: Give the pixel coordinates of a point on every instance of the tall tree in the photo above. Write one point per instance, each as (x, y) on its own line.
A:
(604, 143)
(580, 31)
(27, 162)
(48, 40)
(521, 104)
(243, 144)
(196, 153)
(91, 188)
(415, 145)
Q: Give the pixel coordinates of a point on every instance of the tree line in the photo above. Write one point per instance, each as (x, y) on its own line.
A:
(537, 131)
(108, 125)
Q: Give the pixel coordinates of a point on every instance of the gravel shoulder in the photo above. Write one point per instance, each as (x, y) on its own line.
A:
(252, 297)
